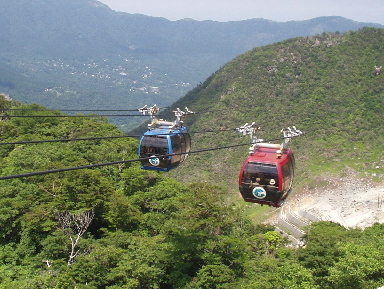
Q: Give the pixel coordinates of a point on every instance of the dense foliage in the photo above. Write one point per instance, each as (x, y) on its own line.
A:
(324, 85)
(121, 227)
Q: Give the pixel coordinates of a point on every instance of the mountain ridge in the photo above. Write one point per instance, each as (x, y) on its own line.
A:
(324, 85)
(83, 54)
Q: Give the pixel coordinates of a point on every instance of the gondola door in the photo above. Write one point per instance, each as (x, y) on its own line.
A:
(152, 147)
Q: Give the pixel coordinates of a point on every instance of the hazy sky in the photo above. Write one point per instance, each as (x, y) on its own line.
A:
(277, 10)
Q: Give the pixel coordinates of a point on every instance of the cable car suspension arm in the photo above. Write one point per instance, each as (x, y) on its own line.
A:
(251, 129)
(155, 122)
(289, 133)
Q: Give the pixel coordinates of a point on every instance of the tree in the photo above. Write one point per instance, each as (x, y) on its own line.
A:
(361, 266)
(74, 226)
(321, 250)
(5, 104)
(213, 276)
(273, 240)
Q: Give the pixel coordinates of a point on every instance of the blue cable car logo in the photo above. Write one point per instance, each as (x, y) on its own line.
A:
(259, 193)
(154, 162)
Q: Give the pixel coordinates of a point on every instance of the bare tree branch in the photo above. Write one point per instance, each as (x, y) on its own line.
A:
(74, 226)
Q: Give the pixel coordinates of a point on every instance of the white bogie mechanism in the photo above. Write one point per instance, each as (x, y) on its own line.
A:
(251, 129)
(155, 122)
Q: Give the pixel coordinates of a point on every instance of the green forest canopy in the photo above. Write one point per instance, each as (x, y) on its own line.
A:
(324, 85)
(123, 227)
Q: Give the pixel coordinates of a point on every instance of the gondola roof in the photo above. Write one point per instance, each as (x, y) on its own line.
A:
(268, 155)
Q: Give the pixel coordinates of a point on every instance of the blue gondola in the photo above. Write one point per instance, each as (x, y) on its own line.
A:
(165, 145)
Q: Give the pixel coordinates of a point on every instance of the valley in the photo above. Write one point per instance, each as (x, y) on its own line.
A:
(78, 210)
(102, 59)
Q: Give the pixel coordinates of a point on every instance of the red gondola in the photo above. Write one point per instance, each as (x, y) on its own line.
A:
(267, 174)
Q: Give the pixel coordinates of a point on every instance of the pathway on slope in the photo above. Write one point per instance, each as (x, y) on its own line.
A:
(350, 201)
(353, 203)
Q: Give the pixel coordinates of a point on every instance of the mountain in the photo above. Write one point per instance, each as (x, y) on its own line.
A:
(324, 85)
(82, 54)
(115, 225)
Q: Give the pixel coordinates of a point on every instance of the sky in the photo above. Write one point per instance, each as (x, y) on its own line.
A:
(235, 10)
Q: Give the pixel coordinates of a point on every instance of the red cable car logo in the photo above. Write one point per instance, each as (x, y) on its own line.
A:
(259, 192)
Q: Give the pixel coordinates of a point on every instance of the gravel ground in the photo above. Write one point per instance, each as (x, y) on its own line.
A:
(351, 202)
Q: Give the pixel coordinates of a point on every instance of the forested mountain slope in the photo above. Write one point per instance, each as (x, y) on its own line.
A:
(324, 85)
(118, 226)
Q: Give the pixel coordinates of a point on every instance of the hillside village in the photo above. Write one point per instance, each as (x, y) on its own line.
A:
(97, 53)
(127, 73)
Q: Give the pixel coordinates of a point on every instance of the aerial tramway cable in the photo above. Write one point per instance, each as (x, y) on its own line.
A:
(144, 110)
(78, 115)
(110, 163)
(120, 162)
(75, 110)
(88, 110)
(66, 140)
(99, 138)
